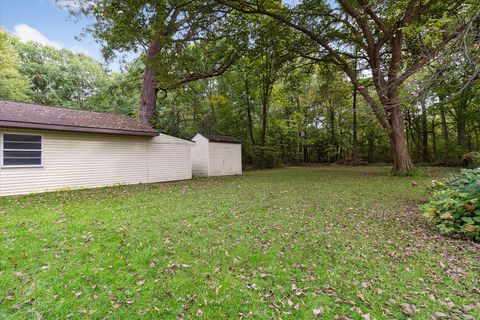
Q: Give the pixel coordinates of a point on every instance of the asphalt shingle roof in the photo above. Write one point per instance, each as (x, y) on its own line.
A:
(34, 116)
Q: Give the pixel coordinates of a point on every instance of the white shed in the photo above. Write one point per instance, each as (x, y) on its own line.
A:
(216, 155)
(51, 148)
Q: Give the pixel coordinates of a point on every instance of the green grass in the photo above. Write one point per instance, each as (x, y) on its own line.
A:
(267, 245)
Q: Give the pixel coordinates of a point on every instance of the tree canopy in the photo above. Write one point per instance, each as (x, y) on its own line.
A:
(314, 81)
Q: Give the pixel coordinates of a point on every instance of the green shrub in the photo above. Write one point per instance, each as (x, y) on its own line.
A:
(455, 204)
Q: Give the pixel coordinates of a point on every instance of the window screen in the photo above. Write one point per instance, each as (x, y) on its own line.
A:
(22, 150)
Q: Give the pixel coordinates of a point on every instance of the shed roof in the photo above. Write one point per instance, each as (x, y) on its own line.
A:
(33, 116)
(220, 138)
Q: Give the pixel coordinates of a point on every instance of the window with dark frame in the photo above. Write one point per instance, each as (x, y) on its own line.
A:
(21, 150)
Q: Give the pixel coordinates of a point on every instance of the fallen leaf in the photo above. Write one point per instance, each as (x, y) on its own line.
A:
(439, 315)
(408, 309)
(317, 311)
(252, 286)
(290, 303)
(470, 307)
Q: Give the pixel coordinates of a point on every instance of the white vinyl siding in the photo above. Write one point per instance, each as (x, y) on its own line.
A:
(216, 159)
(81, 160)
(224, 159)
(200, 156)
(169, 159)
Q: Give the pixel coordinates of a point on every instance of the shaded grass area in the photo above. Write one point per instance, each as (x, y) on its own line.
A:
(286, 243)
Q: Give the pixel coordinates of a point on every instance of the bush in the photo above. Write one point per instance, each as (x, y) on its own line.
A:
(455, 204)
(471, 159)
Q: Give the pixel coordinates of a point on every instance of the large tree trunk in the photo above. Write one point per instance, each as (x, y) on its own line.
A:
(402, 164)
(249, 111)
(266, 89)
(148, 98)
(267, 85)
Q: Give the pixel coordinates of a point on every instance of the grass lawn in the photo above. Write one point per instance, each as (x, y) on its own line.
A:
(292, 243)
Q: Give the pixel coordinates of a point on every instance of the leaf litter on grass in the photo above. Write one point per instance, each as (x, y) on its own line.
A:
(291, 243)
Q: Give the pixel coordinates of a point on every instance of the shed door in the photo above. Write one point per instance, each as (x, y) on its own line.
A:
(222, 160)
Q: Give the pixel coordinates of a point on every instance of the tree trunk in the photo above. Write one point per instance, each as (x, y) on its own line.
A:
(305, 148)
(333, 139)
(411, 130)
(371, 149)
(461, 113)
(355, 131)
(477, 139)
(417, 134)
(402, 164)
(354, 124)
(265, 100)
(434, 139)
(461, 130)
(444, 128)
(425, 154)
(264, 122)
(249, 112)
(148, 98)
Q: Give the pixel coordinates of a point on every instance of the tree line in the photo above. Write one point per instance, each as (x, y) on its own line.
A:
(350, 81)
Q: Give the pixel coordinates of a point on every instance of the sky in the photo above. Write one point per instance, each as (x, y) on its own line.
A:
(42, 21)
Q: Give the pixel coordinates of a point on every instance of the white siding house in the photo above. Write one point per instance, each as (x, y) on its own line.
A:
(216, 155)
(38, 157)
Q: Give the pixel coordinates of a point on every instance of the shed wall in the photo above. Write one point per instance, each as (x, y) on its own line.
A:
(224, 159)
(200, 160)
(80, 160)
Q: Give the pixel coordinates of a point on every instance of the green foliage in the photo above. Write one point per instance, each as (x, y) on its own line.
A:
(60, 77)
(308, 102)
(455, 204)
(13, 84)
(50, 76)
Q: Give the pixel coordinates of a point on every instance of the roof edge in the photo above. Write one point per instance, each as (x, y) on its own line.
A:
(205, 135)
(54, 127)
(228, 142)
